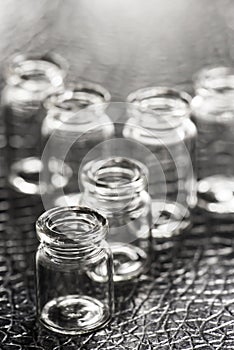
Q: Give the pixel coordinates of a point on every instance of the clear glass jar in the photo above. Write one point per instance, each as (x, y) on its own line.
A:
(75, 123)
(117, 187)
(213, 113)
(73, 270)
(160, 120)
(29, 80)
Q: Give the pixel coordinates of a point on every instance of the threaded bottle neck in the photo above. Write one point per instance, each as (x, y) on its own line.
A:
(39, 75)
(77, 97)
(159, 108)
(71, 232)
(113, 182)
(216, 85)
(76, 109)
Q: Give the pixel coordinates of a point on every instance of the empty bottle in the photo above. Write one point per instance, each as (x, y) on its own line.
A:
(75, 123)
(73, 271)
(118, 188)
(29, 80)
(213, 113)
(160, 120)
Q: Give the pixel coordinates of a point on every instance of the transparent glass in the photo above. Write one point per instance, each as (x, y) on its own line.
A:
(160, 120)
(75, 123)
(29, 79)
(213, 113)
(117, 187)
(73, 271)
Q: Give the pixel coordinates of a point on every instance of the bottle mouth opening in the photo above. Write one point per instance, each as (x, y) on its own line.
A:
(164, 107)
(114, 177)
(71, 227)
(79, 96)
(36, 73)
(214, 80)
(74, 110)
(70, 123)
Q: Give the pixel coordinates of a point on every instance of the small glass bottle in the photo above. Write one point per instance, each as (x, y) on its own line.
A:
(117, 187)
(73, 271)
(213, 114)
(75, 123)
(160, 120)
(29, 80)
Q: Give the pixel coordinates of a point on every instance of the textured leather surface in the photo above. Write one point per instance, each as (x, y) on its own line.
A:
(184, 302)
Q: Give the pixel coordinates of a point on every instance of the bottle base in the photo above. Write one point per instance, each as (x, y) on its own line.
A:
(216, 195)
(129, 261)
(169, 219)
(24, 176)
(74, 315)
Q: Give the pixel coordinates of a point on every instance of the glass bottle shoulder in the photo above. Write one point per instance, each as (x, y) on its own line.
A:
(78, 123)
(50, 259)
(153, 136)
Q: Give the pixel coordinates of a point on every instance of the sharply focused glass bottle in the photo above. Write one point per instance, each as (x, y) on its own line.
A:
(213, 113)
(29, 80)
(73, 270)
(160, 120)
(75, 123)
(118, 188)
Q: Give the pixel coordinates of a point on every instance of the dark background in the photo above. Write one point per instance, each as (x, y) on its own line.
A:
(123, 44)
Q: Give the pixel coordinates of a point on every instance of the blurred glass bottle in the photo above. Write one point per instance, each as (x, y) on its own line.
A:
(213, 113)
(29, 80)
(160, 120)
(73, 270)
(75, 123)
(118, 188)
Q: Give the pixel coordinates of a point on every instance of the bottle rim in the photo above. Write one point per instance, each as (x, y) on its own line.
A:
(75, 109)
(55, 227)
(213, 80)
(20, 66)
(142, 94)
(85, 92)
(163, 107)
(129, 176)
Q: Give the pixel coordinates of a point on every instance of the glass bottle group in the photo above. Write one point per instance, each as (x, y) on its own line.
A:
(80, 256)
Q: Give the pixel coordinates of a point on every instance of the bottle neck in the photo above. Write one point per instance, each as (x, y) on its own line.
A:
(113, 184)
(35, 77)
(215, 86)
(79, 96)
(70, 255)
(159, 108)
(77, 109)
(71, 232)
